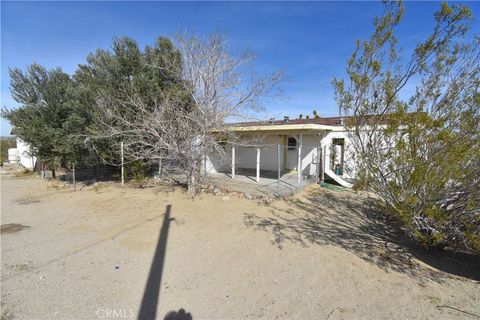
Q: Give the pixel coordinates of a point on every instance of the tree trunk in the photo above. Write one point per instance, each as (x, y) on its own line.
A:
(191, 184)
(193, 177)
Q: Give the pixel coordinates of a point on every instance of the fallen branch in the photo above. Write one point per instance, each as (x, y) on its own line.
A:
(331, 313)
(449, 307)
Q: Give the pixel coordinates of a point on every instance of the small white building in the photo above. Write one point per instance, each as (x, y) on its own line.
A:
(305, 147)
(26, 160)
(13, 156)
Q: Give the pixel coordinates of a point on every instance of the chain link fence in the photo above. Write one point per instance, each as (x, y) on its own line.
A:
(275, 167)
(270, 168)
(86, 174)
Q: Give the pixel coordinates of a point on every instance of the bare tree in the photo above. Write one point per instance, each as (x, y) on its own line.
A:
(184, 125)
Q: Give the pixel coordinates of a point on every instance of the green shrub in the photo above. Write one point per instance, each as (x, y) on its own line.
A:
(5, 144)
(136, 171)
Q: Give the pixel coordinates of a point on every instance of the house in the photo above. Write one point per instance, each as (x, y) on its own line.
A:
(310, 150)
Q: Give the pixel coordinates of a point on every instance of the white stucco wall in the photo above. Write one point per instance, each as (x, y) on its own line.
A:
(214, 163)
(268, 153)
(311, 143)
(25, 160)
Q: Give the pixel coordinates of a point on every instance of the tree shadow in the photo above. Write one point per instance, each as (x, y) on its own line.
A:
(151, 295)
(178, 315)
(352, 222)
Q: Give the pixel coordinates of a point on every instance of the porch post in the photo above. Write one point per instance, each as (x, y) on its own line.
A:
(317, 171)
(233, 162)
(324, 153)
(299, 162)
(278, 166)
(258, 164)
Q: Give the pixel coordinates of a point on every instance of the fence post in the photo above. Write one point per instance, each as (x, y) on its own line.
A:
(121, 153)
(233, 162)
(278, 166)
(160, 168)
(73, 176)
(299, 163)
(258, 164)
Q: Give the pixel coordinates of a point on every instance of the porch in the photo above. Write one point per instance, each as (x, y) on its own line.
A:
(281, 161)
(266, 186)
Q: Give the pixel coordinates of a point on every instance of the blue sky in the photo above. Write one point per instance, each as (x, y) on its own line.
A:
(311, 41)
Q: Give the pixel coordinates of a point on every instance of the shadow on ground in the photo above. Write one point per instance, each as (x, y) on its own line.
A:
(12, 228)
(178, 315)
(151, 294)
(343, 219)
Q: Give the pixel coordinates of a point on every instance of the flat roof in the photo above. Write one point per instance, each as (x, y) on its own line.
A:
(285, 127)
(327, 121)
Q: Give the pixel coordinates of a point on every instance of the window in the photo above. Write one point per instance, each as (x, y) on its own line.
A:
(291, 143)
(338, 141)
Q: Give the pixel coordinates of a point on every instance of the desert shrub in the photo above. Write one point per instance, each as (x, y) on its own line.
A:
(420, 154)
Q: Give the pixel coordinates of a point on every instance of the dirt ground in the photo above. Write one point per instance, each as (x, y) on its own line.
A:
(107, 252)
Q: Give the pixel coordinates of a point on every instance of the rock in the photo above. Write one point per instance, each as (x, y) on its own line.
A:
(266, 200)
(226, 198)
(48, 174)
(450, 207)
(216, 190)
(248, 196)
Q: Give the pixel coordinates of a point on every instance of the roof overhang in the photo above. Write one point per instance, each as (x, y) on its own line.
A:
(284, 128)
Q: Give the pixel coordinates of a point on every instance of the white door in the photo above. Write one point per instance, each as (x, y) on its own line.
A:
(291, 154)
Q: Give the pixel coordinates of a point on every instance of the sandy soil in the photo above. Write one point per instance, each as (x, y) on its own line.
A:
(108, 252)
